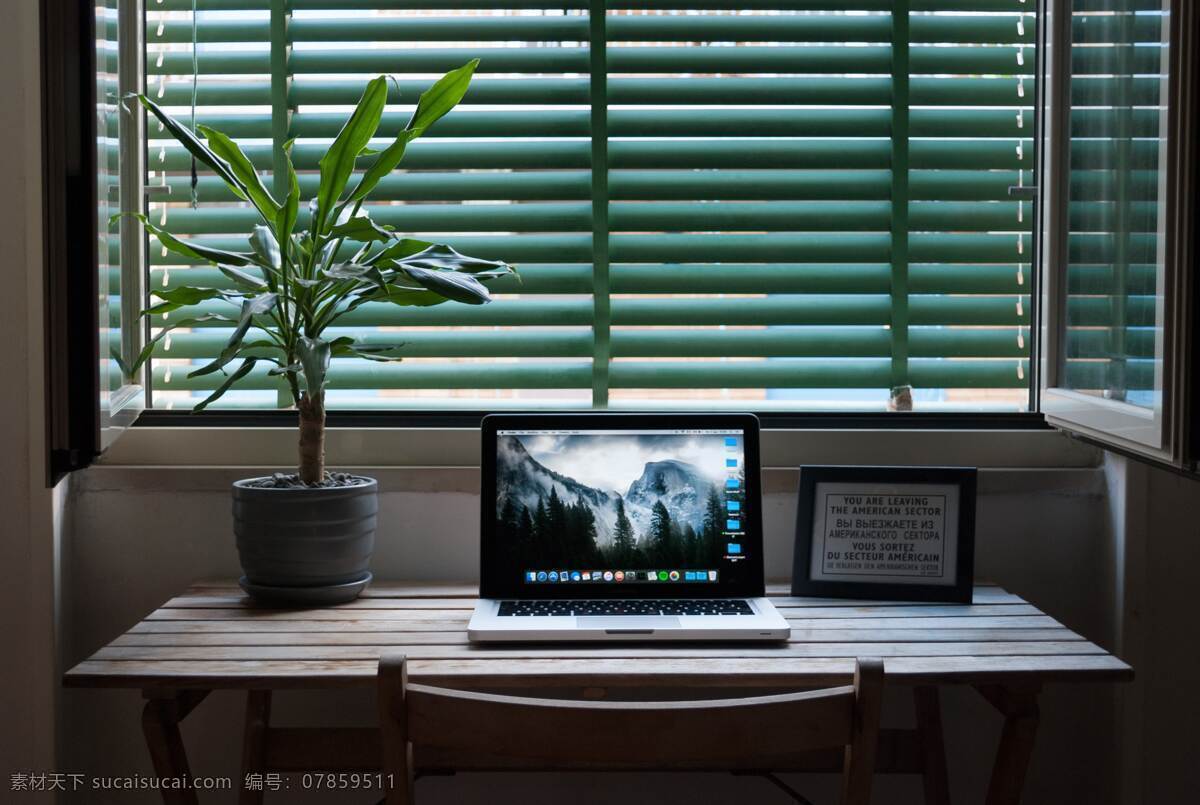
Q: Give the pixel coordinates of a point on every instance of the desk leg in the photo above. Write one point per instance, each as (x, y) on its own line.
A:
(160, 724)
(933, 747)
(1019, 707)
(254, 746)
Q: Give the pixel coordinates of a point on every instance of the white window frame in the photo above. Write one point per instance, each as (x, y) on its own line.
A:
(1158, 433)
(126, 401)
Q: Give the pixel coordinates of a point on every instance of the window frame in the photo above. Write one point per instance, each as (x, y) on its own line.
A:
(1023, 442)
(1160, 434)
(86, 411)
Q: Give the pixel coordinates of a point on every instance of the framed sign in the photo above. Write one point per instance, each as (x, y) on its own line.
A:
(886, 533)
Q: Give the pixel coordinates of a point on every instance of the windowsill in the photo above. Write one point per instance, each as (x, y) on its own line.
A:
(274, 447)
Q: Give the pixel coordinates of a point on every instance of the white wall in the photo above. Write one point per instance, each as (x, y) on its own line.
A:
(1158, 538)
(28, 511)
(138, 536)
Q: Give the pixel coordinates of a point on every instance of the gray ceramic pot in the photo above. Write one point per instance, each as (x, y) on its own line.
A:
(305, 545)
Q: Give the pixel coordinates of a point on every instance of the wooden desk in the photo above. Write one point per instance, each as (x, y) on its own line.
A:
(211, 638)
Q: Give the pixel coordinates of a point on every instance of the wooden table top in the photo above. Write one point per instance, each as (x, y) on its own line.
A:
(213, 638)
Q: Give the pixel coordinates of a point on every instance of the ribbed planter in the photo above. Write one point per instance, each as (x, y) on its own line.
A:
(308, 545)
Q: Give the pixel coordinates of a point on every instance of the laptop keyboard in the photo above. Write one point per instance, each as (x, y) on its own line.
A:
(653, 606)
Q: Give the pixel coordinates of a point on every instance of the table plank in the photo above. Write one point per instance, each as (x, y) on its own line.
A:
(297, 624)
(422, 589)
(203, 633)
(574, 672)
(926, 614)
(634, 650)
(235, 598)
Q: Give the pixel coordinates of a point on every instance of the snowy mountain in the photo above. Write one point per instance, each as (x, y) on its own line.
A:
(681, 487)
(523, 478)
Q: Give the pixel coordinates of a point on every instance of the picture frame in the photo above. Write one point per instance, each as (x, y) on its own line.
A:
(886, 533)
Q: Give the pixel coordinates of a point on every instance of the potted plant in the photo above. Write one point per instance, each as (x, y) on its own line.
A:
(307, 537)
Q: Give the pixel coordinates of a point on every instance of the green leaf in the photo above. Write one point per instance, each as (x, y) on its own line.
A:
(338, 162)
(343, 215)
(314, 356)
(263, 242)
(301, 247)
(243, 169)
(260, 344)
(126, 369)
(381, 167)
(395, 294)
(250, 308)
(360, 254)
(433, 104)
(375, 352)
(175, 298)
(242, 279)
(144, 355)
(452, 285)
(362, 230)
(443, 96)
(340, 346)
(196, 148)
(405, 297)
(406, 247)
(347, 271)
(439, 257)
(285, 219)
(290, 369)
(353, 271)
(241, 372)
(195, 250)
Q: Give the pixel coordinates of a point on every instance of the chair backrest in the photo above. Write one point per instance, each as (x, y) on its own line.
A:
(554, 733)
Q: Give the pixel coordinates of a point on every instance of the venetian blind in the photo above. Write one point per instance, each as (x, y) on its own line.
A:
(764, 205)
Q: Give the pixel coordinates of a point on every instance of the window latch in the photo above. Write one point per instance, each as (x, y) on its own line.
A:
(1028, 192)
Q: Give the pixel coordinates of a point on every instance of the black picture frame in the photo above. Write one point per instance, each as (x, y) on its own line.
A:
(961, 588)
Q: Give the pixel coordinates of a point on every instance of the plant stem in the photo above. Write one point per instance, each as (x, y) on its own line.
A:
(312, 438)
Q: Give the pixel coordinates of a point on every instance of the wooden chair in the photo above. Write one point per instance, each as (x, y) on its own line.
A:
(555, 733)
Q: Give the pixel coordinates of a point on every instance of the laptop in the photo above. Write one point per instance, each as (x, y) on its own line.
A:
(604, 526)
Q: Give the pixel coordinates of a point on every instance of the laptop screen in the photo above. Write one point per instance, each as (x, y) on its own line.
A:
(607, 508)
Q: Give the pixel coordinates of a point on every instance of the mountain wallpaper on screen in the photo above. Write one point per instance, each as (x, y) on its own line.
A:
(670, 515)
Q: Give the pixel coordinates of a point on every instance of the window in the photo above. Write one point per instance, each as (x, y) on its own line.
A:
(760, 205)
(1117, 246)
(92, 274)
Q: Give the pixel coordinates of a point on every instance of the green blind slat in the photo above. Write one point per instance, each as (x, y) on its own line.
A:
(835, 216)
(650, 278)
(730, 153)
(831, 342)
(839, 91)
(777, 309)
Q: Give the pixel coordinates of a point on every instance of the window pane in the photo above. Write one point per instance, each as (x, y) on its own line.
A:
(1114, 313)
(801, 209)
(108, 193)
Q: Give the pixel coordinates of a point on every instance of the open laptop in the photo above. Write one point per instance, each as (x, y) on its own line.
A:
(606, 526)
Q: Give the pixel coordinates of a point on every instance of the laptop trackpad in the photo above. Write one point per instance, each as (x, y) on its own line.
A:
(627, 623)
